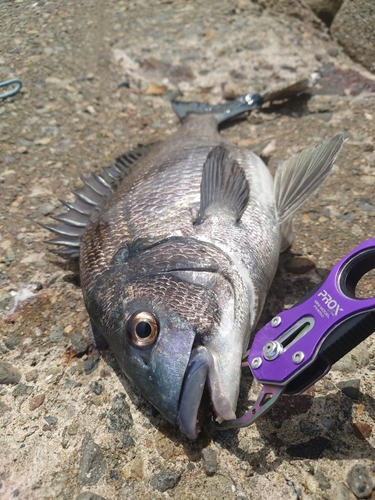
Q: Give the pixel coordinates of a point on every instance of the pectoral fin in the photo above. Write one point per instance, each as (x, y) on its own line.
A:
(224, 186)
(297, 178)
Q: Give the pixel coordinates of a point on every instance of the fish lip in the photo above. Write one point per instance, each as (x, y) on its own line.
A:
(190, 419)
(200, 390)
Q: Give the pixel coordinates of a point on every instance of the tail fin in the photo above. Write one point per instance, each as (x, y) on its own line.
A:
(222, 112)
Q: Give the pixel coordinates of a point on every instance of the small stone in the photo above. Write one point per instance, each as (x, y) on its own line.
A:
(93, 464)
(10, 254)
(31, 376)
(322, 480)
(4, 408)
(54, 374)
(135, 469)
(253, 45)
(368, 179)
(64, 439)
(339, 492)
(120, 418)
(36, 401)
(96, 387)
(357, 358)
(309, 428)
(57, 334)
(8, 374)
(350, 388)
(155, 89)
(79, 344)
(44, 209)
(43, 141)
(165, 480)
(51, 420)
(362, 430)
(73, 428)
(299, 265)
(91, 363)
(359, 481)
(72, 383)
(68, 329)
(127, 440)
(365, 206)
(209, 461)
(22, 390)
(12, 341)
(87, 495)
(5, 300)
(91, 110)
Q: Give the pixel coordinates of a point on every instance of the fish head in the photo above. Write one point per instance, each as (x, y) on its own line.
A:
(164, 326)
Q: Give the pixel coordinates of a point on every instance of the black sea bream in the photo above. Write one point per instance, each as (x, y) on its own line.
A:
(178, 245)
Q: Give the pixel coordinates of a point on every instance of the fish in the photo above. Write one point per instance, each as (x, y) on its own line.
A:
(178, 243)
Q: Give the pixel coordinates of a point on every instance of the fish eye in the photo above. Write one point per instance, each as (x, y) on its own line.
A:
(142, 329)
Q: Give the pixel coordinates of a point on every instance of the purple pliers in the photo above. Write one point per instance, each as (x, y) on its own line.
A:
(299, 346)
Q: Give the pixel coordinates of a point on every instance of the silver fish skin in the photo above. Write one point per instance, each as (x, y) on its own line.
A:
(177, 259)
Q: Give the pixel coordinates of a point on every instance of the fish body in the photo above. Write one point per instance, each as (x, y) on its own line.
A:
(178, 254)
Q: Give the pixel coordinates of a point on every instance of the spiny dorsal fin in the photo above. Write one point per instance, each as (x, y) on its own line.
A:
(299, 176)
(91, 197)
(223, 184)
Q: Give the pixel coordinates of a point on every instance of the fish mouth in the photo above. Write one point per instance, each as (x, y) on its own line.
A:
(200, 389)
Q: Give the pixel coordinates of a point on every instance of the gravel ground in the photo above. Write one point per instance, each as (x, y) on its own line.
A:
(98, 77)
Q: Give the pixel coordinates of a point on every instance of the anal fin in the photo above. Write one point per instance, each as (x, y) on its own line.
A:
(223, 184)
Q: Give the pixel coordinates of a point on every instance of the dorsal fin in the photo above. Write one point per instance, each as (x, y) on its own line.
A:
(91, 197)
(223, 184)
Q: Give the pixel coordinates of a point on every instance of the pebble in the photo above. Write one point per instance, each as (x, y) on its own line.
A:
(359, 357)
(46, 208)
(135, 469)
(362, 430)
(209, 461)
(79, 344)
(54, 374)
(8, 374)
(359, 481)
(87, 495)
(96, 387)
(127, 440)
(31, 376)
(350, 388)
(57, 334)
(51, 420)
(22, 390)
(309, 428)
(91, 363)
(322, 480)
(165, 480)
(10, 254)
(253, 45)
(92, 464)
(339, 492)
(12, 341)
(119, 418)
(36, 402)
